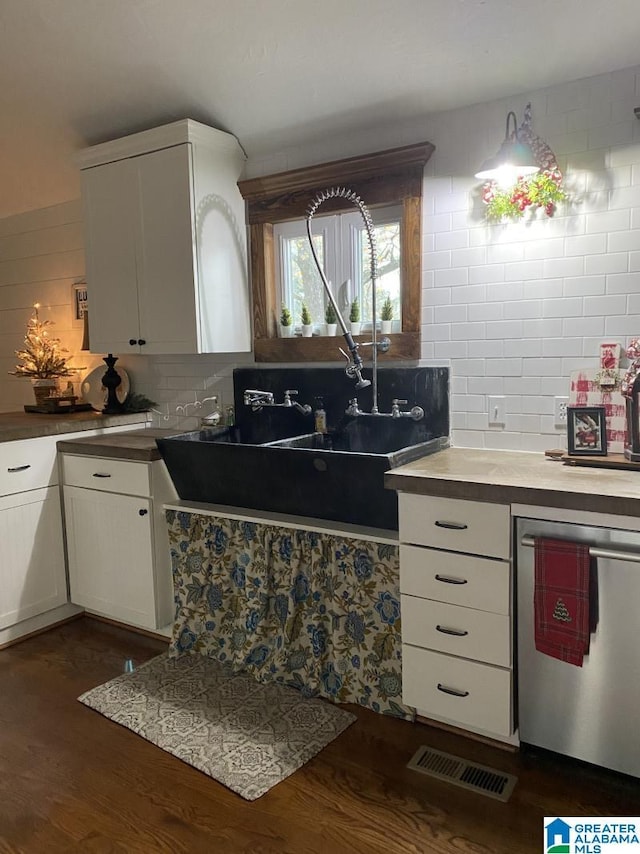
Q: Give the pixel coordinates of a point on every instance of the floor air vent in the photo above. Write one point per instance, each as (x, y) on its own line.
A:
(468, 775)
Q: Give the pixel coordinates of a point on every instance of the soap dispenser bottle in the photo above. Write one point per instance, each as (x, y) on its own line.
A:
(320, 417)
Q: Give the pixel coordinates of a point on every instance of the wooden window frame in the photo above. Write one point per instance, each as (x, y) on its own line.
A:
(383, 178)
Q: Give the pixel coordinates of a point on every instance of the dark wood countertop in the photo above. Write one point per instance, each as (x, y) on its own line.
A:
(516, 477)
(31, 425)
(131, 445)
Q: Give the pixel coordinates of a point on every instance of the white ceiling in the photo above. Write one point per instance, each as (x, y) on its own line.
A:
(273, 72)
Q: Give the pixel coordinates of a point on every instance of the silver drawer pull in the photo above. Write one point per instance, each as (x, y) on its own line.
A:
(448, 579)
(454, 526)
(452, 691)
(459, 633)
(100, 474)
(19, 468)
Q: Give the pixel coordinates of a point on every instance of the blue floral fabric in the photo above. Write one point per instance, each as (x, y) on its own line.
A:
(318, 612)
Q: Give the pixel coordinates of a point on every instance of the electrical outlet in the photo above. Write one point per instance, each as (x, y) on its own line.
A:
(560, 411)
(497, 409)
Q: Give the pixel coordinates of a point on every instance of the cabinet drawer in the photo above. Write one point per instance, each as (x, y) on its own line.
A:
(455, 630)
(474, 527)
(107, 475)
(465, 693)
(28, 464)
(474, 582)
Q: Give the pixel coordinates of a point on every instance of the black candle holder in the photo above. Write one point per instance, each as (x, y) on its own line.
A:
(111, 380)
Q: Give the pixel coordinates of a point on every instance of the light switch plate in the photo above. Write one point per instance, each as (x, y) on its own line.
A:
(497, 411)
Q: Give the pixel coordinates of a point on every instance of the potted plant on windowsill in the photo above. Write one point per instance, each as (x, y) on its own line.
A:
(354, 317)
(386, 316)
(307, 323)
(331, 319)
(42, 358)
(286, 328)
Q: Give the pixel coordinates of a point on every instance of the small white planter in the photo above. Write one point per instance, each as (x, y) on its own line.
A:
(385, 326)
(331, 329)
(286, 331)
(355, 327)
(307, 330)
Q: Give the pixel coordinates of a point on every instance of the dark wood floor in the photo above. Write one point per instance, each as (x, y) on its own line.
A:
(72, 781)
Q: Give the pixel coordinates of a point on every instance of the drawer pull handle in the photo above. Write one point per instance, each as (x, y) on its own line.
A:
(459, 633)
(448, 579)
(19, 468)
(452, 691)
(453, 526)
(100, 474)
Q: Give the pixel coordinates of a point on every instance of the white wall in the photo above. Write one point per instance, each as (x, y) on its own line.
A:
(512, 308)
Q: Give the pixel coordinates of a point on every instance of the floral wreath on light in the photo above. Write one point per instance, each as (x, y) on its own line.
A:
(542, 190)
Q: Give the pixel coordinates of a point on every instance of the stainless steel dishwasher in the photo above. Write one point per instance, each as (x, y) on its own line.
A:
(589, 712)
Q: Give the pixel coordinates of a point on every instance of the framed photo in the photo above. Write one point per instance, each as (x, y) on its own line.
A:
(587, 430)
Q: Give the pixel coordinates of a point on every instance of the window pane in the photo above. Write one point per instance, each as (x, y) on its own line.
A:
(387, 237)
(302, 282)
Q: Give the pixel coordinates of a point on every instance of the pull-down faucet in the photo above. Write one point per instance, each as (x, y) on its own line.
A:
(354, 364)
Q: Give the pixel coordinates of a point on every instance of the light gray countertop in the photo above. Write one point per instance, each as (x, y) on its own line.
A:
(130, 445)
(516, 477)
(31, 425)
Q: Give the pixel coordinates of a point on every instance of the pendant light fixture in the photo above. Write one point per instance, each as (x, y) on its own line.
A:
(514, 159)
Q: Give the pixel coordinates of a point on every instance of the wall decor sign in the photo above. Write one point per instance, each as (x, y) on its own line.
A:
(586, 431)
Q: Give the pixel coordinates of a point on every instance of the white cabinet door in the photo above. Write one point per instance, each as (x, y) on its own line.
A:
(110, 212)
(110, 550)
(167, 238)
(32, 570)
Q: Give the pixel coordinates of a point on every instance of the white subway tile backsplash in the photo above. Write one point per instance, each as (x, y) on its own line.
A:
(436, 260)
(542, 328)
(486, 349)
(618, 220)
(605, 305)
(585, 244)
(451, 277)
(501, 253)
(524, 270)
(583, 326)
(584, 286)
(541, 367)
(467, 331)
(507, 292)
(486, 273)
(562, 347)
(473, 256)
(451, 240)
(623, 283)
(625, 241)
(564, 307)
(503, 329)
(624, 325)
(551, 248)
(522, 309)
(617, 262)
(555, 268)
(523, 347)
(468, 294)
(450, 313)
(486, 311)
(450, 349)
(504, 367)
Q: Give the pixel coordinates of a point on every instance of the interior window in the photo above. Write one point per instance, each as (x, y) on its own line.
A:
(342, 245)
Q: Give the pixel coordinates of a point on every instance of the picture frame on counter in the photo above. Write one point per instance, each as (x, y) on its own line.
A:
(587, 431)
(78, 303)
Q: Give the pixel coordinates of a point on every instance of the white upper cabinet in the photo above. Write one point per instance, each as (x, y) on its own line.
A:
(166, 242)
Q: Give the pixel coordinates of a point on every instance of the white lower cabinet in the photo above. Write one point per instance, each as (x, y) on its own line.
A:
(117, 546)
(32, 571)
(456, 606)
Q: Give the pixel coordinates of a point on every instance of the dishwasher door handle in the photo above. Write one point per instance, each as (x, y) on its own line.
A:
(607, 554)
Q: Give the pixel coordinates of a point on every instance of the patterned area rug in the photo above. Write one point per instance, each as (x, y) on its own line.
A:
(247, 735)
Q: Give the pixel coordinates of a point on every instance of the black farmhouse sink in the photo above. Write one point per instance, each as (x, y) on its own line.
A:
(338, 477)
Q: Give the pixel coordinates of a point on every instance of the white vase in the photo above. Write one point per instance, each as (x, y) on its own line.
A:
(331, 328)
(355, 327)
(307, 330)
(385, 326)
(286, 331)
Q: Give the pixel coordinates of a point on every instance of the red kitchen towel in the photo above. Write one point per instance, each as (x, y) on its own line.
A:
(561, 599)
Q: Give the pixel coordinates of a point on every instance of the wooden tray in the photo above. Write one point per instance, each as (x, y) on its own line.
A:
(54, 406)
(611, 461)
